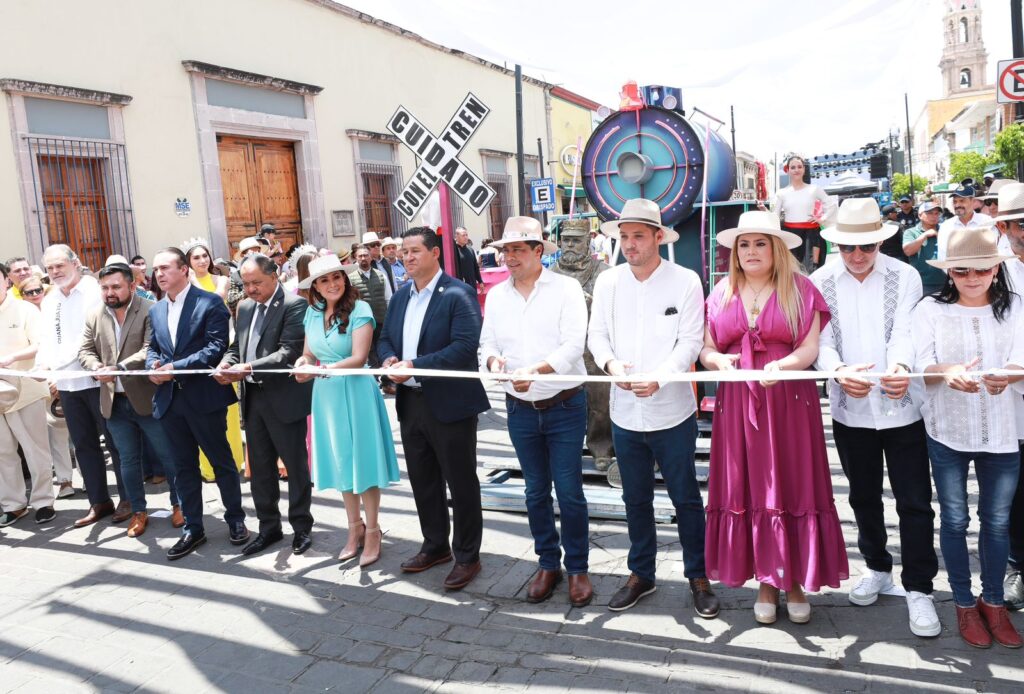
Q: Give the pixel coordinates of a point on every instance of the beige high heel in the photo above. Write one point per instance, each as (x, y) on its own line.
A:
(767, 612)
(365, 559)
(352, 554)
(799, 612)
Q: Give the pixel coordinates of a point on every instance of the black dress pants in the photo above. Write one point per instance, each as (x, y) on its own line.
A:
(1017, 525)
(268, 439)
(905, 451)
(437, 454)
(85, 426)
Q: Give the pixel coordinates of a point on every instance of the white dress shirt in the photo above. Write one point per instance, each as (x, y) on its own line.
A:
(118, 386)
(951, 334)
(657, 326)
(549, 326)
(978, 221)
(63, 323)
(415, 312)
(174, 309)
(870, 325)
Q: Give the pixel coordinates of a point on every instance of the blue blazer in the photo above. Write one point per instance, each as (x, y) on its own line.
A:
(448, 340)
(201, 341)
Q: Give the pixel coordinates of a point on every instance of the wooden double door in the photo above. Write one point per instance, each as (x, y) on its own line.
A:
(260, 187)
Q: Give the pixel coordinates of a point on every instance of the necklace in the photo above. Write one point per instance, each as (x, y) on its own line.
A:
(755, 309)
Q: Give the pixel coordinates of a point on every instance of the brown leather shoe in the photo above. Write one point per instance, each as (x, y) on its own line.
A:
(95, 513)
(631, 593)
(705, 603)
(543, 585)
(581, 592)
(177, 518)
(999, 625)
(461, 575)
(423, 561)
(123, 512)
(137, 526)
(972, 627)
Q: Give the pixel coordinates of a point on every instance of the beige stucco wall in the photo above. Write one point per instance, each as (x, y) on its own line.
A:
(136, 48)
(569, 121)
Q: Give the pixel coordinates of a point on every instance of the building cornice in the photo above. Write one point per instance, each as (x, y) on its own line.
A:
(60, 91)
(250, 78)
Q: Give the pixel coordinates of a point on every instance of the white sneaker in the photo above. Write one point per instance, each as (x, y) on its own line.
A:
(923, 620)
(872, 583)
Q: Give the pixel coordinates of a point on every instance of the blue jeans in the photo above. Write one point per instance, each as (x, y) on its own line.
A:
(674, 449)
(549, 445)
(997, 482)
(130, 430)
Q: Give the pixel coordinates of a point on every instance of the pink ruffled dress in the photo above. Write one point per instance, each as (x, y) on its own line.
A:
(771, 514)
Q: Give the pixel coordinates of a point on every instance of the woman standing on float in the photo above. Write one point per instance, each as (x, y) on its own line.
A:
(803, 207)
(770, 513)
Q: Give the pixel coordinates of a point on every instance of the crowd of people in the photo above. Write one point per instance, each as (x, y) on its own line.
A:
(265, 359)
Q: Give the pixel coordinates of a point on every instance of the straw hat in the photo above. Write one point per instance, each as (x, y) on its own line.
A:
(1011, 202)
(247, 243)
(859, 222)
(388, 241)
(318, 267)
(116, 259)
(524, 229)
(972, 248)
(997, 185)
(370, 237)
(758, 222)
(641, 211)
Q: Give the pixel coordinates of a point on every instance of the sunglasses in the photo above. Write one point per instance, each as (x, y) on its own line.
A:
(864, 248)
(32, 292)
(373, 245)
(967, 271)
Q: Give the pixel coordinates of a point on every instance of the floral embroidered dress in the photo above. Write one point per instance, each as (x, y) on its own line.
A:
(771, 514)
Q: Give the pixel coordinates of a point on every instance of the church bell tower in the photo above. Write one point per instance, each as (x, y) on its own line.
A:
(964, 58)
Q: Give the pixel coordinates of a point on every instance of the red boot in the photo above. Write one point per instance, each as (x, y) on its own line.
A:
(972, 627)
(999, 624)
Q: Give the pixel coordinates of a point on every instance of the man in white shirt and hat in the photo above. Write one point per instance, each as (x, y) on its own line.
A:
(376, 247)
(965, 216)
(536, 323)
(1010, 222)
(871, 296)
(648, 319)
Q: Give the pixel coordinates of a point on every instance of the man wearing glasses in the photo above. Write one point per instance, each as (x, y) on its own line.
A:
(921, 244)
(966, 217)
(879, 420)
(373, 244)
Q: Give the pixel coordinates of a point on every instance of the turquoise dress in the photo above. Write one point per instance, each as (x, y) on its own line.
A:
(353, 449)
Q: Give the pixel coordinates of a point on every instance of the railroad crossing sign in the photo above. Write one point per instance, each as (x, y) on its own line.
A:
(542, 194)
(1010, 85)
(439, 158)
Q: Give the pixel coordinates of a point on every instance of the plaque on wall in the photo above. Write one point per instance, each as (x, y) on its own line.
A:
(343, 223)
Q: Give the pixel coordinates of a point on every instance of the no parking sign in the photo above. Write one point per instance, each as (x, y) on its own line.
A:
(1010, 85)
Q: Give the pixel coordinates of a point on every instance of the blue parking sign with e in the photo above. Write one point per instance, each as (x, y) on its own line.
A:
(542, 194)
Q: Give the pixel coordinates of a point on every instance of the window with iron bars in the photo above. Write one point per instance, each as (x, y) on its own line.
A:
(501, 204)
(380, 185)
(82, 197)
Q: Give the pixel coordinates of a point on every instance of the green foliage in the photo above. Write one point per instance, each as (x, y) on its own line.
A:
(966, 165)
(1006, 170)
(1010, 148)
(900, 184)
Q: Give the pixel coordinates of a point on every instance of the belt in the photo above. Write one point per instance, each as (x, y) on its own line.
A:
(548, 403)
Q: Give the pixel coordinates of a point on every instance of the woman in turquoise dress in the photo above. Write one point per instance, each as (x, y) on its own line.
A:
(353, 448)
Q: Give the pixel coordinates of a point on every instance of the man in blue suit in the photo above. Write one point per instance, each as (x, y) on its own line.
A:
(434, 322)
(190, 331)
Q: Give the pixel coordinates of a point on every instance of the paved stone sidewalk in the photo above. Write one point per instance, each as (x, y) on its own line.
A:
(92, 610)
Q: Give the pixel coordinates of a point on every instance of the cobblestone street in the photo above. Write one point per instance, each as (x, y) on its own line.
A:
(92, 610)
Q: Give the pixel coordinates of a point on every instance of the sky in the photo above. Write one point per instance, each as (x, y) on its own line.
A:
(807, 76)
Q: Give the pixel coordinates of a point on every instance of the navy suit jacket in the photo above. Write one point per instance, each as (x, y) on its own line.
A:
(448, 340)
(201, 341)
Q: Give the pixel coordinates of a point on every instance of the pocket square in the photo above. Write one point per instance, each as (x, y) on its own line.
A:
(671, 311)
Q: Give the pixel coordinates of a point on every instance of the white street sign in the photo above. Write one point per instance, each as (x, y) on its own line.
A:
(1010, 85)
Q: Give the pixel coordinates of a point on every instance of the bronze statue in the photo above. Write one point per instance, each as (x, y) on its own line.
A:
(575, 261)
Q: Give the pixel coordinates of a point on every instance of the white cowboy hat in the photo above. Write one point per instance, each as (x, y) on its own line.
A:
(758, 222)
(643, 212)
(116, 259)
(247, 243)
(318, 267)
(370, 237)
(524, 229)
(1011, 202)
(388, 241)
(997, 185)
(972, 248)
(859, 222)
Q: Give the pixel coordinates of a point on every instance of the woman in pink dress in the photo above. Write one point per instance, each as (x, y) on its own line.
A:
(770, 510)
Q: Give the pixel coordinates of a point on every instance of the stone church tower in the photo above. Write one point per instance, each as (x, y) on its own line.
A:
(964, 58)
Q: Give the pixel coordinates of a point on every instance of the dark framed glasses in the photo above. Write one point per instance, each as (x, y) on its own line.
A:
(32, 292)
(967, 271)
(863, 248)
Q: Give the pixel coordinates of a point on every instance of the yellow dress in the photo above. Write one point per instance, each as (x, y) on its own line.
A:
(234, 413)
